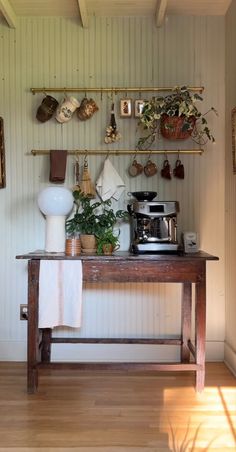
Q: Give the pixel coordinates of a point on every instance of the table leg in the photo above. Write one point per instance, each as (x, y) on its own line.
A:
(186, 321)
(46, 345)
(33, 332)
(200, 331)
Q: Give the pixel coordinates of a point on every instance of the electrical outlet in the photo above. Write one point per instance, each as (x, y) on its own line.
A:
(23, 312)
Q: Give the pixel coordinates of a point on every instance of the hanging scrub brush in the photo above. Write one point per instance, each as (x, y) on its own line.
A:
(86, 185)
(76, 175)
(112, 133)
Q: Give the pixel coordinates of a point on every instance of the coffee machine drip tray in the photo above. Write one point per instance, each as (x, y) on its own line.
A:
(154, 248)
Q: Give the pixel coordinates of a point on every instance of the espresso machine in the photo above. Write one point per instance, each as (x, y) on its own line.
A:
(153, 224)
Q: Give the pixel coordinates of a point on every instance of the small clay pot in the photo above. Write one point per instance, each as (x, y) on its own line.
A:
(108, 248)
(73, 246)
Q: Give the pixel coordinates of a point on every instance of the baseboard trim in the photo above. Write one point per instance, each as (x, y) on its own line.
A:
(230, 358)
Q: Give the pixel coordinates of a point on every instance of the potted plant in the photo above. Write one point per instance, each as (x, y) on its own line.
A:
(175, 116)
(93, 218)
(107, 242)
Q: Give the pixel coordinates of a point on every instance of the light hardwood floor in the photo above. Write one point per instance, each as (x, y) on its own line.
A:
(117, 411)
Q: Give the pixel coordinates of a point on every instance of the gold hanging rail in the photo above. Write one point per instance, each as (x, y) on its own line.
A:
(110, 90)
(122, 152)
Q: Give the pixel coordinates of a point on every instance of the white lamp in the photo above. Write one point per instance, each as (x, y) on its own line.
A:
(55, 203)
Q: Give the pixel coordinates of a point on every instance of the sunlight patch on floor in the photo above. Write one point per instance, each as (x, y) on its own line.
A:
(202, 421)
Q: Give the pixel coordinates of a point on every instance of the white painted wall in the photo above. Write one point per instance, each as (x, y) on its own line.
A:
(230, 193)
(57, 52)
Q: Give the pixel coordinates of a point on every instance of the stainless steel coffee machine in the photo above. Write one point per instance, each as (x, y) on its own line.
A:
(153, 225)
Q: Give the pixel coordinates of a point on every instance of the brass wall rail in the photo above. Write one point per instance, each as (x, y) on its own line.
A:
(122, 152)
(110, 90)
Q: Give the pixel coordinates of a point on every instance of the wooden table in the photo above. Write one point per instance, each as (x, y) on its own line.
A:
(124, 267)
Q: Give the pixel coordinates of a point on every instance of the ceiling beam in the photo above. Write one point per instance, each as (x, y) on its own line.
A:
(8, 13)
(161, 6)
(83, 13)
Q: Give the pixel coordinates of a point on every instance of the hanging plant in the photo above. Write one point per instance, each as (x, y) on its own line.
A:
(175, 116)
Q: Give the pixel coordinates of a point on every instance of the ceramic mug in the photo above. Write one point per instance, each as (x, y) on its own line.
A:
(150, 168)
(87, 109)
(46, 109)
(66, 109)
(135, 168)
(179, 169)
(166, 170)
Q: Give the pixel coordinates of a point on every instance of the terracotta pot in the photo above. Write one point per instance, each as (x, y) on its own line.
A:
(88, 241)
(73, 246)
(172, 127)
(108, 248)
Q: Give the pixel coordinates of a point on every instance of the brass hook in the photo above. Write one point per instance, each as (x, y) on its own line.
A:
(135, 155)
(150, 153)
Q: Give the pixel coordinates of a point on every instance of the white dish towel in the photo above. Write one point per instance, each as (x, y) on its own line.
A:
(60, 293)
(109, 184)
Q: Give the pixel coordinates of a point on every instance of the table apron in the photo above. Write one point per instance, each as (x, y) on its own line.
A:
(179, 272)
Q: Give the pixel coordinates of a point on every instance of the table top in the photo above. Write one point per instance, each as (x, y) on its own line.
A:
(120, 256)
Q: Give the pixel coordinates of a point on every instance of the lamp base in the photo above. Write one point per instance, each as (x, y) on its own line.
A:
(55, 234)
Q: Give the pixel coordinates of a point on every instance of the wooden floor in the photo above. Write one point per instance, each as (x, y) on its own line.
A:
(117, 411)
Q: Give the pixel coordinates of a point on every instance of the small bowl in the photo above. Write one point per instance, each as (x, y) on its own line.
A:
(144, 195)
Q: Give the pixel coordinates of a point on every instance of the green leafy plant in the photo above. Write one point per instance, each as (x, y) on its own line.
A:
(106, 239)
(93, 217)
(180, 103)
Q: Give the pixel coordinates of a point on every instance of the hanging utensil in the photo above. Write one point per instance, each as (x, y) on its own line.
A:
(86, 185)
(76, 175)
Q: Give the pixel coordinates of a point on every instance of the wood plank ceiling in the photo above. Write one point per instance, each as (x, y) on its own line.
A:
(11, 9)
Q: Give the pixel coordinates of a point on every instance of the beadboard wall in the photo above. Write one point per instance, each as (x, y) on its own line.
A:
(230, 192)
(125, 52)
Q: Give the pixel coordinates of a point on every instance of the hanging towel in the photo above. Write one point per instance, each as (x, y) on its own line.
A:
(60, 293)
(109, 184)
(57, 165)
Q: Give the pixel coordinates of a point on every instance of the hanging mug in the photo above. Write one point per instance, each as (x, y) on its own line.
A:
(166, 170)
(179, 169)
(87, 109)
(46, 109)
(66, 109)
(135, 168)
(150, 168)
